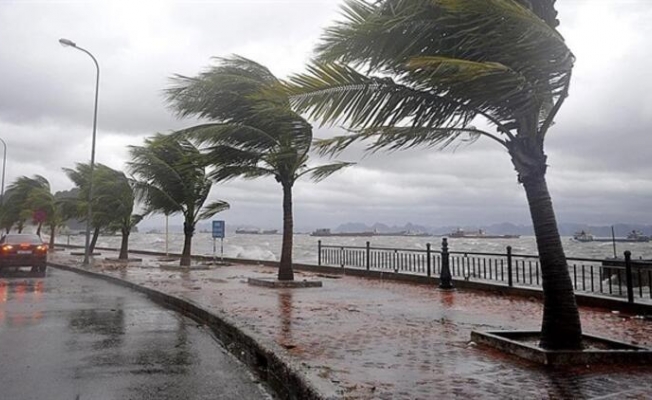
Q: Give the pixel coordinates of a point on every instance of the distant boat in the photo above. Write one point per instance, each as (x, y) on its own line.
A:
(583, 236)
(257, 231)
(247, 231)
(637, 236)
(632, 237)
(327, 232)
(479, 234)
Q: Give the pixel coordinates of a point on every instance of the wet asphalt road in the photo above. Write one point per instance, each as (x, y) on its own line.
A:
(66, 336)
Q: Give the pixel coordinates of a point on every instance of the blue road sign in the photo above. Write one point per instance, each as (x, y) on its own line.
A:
(218, 229)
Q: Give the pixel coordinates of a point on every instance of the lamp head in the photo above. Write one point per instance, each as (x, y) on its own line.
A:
(67, 43)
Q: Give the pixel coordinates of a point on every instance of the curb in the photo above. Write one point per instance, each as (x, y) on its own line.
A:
(265, 359)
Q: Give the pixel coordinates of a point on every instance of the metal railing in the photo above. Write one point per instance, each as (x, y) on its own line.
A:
(622, 277)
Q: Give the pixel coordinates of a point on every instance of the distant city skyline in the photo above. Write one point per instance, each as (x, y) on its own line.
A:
(598, 151)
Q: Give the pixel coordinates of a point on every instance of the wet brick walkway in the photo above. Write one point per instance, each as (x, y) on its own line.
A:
(374, 339)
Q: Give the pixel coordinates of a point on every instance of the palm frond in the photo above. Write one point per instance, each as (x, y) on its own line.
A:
(213, 208)
(322, 172)
(338, 93)
(228, 172)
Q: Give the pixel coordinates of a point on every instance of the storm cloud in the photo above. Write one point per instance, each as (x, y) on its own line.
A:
(599, 148)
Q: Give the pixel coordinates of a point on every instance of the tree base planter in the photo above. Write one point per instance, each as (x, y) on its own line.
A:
(127, 260)
(275, 283)
(81, 253)
(217, 263)
(192, 267)
(597, 350)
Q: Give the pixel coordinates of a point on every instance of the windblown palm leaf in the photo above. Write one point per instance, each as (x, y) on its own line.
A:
(252, 131)
(430, 68)
(171, 178)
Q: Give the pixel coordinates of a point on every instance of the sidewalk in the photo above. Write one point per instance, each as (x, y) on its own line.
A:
(371, 339)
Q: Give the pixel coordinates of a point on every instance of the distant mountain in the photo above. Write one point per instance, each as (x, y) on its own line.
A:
(504, 228)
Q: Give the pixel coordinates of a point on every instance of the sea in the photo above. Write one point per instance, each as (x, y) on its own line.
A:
(268, 247)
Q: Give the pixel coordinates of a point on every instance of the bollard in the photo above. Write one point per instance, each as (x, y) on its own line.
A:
(445, 278)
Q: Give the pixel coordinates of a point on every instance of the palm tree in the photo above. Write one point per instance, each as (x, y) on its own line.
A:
(46, 210)
(432, 67)
(171, 178)
(30, 199)
(104, 211)
(253, 133)
(115, 193)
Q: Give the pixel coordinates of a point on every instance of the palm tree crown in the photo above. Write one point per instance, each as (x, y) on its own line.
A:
(431, 68)
(171, 178)
(253, 131)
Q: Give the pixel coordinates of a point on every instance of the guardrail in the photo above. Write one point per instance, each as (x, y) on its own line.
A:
(622, 277)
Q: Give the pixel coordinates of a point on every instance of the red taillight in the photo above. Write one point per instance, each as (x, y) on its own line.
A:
(42, 248)
(7, 247)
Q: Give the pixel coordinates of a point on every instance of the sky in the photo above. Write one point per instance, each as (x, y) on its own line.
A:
(599, 150)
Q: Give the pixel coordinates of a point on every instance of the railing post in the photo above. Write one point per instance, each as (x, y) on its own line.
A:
(368, 256)
(445, 278)
(509, 266)
(628, 276)
(319, 252)
(395, 261)
(342, 256)
(428, 259)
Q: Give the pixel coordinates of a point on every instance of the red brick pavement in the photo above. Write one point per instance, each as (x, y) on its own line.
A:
(374, 339)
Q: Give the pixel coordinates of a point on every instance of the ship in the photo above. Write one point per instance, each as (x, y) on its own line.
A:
(327, 232)
(632, 237)
(256, 231)
(583, 236)
(479, 234)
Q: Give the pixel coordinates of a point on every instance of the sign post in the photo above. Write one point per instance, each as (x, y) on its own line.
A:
(218, 232)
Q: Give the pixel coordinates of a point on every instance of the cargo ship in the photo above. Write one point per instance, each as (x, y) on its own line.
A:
(632, 237)
(256, 231)
(327, 232)
(479, 234)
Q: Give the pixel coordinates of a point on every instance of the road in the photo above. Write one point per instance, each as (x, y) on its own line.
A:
(66, 336)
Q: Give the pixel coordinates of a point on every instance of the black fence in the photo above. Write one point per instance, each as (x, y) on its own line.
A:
(621, 277)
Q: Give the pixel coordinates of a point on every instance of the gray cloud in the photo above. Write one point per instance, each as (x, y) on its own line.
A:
(598, 149)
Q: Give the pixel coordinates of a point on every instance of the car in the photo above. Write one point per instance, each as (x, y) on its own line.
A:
(23, 250)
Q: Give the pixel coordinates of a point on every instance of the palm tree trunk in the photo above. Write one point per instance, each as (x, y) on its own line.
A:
(53, 230)
(560, 327)
(96, 234)
(124, 245)
(38, 229)
(188, 231)
(285, 272)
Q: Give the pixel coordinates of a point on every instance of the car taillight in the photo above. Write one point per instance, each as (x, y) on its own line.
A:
(7, 247)
(42, 248)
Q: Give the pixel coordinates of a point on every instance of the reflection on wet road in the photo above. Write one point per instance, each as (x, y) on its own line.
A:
(65, 336)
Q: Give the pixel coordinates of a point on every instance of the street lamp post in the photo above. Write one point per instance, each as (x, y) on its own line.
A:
(4, 165)
(70, 43)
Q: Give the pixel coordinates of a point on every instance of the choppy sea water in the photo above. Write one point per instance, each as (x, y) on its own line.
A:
(268, 247)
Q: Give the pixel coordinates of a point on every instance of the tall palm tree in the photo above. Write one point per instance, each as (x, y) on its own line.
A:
(253, 133)
(104, 208)
(171, 178)
(431, 68)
